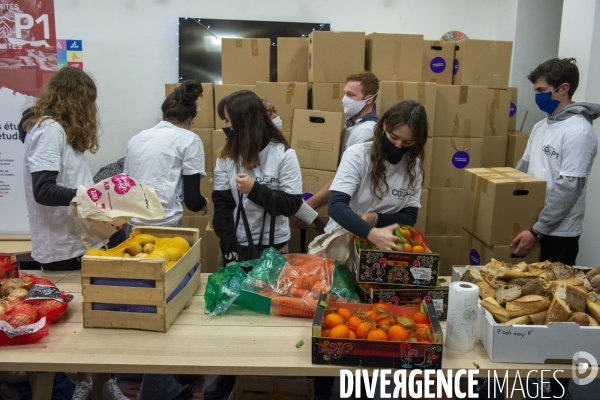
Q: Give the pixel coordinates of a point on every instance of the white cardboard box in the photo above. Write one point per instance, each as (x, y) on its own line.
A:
(532, 344)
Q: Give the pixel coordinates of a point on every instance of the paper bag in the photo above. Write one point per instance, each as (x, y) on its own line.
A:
(104, 208)
(336, 244)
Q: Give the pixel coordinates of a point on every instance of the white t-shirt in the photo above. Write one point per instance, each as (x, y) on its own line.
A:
(55, 236)
(279, 170)
(353, 177)
(158, 157)
(563, 148)
(359, 133)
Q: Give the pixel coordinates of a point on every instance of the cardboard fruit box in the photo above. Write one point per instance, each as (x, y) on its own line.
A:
(396, 267)
(376, 353)
(152, 296)
(532, 344)
(413, 296)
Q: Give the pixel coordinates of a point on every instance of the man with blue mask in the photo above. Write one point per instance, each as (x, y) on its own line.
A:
(560, 150)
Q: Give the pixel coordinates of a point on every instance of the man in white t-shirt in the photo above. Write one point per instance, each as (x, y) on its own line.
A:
(560, 150)
(360, 92)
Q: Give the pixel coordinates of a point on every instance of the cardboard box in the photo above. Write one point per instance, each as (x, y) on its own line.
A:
(205, 134)
(482, 62)
(391, 93)
(450, 249)
(414, 296)
(444, 212)
(497, 112)
(198, 222)
(449, 156)
(328, 97)
(212, 250)
(394, 57)
(245, 61)
(285, 97)
(376, 354)
(515, 148)
(272, 388)
(460, 111)
(422, 215)
(438, 59)
(222, 91)
(512, 113)
(428, 151)
(312, 181)
(218, 141)
(499, 203)
(332, 56)
(295, 243)
(316, 139)
(494, 151)
(205, 103)
(292, 59)
(480, 253)
(157, 295)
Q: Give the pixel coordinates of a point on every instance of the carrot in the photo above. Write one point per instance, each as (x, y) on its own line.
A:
(293, 307)
(298, 292)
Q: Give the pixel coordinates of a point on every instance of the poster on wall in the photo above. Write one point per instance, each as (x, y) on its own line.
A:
(28, 60)
(69, 53)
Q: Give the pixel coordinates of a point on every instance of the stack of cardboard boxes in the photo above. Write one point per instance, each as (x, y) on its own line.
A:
(517, 141)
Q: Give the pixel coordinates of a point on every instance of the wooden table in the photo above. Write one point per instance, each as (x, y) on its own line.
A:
(240, 343)
(14, 247)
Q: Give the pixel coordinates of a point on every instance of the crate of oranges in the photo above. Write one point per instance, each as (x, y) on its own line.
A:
(411, 262)
(377, 335)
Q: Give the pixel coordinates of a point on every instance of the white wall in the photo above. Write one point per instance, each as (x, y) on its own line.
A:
(130, 46)
(580, 38)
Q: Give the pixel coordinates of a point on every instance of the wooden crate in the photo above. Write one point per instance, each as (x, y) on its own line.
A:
(272, 388)
(140, 269)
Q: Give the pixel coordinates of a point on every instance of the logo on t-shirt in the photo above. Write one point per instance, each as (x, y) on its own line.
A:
(399, 193)
(268, 180)
(550, 151)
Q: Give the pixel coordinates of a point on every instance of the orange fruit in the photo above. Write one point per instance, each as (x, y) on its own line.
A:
(377, 334)
(419, 318)
(405, 233)
(325, 333)
(354, 322)
(372, 314)
(407, 247)
(397, 333)
(352, 335)
(332, 320)
(346, 313)
(418, 249)
(339, 331)
(363, 329)
(385, 321)
(381, 305)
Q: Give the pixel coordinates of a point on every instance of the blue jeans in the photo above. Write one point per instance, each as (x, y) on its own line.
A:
(159, 387)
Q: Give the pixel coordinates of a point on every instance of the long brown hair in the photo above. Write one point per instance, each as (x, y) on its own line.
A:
(251, 127)
(412, 114)
(70, 99)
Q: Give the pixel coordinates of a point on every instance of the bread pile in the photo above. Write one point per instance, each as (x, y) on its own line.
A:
(537, 294)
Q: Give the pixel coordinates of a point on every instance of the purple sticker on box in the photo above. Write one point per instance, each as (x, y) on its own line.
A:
(513, 109)
(460, 159)
(455, 67)
(474, 257)
(438, 65)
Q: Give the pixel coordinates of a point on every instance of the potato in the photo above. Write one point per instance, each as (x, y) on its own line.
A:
(141, 255)
(135, 249)
(126, 255)
(148, 248)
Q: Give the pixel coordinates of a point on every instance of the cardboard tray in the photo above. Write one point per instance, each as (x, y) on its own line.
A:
(413, 295)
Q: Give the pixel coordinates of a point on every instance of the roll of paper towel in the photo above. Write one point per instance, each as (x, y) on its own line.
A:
(463, 298)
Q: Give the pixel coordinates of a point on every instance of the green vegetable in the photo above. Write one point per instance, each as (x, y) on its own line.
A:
(440, 281)
(323, 303)
(476, 365)
(300, 344)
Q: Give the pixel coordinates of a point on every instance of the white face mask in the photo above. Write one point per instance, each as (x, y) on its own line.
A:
(277, 122)
(353, 107)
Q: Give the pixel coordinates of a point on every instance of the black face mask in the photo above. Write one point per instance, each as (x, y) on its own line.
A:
(392, 153)
(228, 132)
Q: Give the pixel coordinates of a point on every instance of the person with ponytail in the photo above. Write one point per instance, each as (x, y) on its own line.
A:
(170, 158)
(377, 186)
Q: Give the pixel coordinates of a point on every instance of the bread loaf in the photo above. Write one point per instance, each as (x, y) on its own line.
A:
(594, 272)
(573, 296)
(472, 275)
(595, 282)
(486, 290)
(522, 320)
(534, 287)
(522, 266)
(528, 304)
(580, 318)
(521, 281)
(508, 293)
(538, 318)
(558, 311)
(499, 313)
(593, 310)
(593, 322)
(562, 271)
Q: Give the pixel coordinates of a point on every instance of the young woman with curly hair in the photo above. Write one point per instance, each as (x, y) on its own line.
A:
(378, 183)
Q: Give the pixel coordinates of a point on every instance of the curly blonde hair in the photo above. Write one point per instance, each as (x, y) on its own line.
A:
(69, 98)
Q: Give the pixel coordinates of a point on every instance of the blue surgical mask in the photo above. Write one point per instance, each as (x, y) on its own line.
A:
(546, 103)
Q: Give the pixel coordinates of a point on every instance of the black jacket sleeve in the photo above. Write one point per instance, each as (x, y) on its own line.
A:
(286, 204)
(24, 117)
(47, 193)
(224, 223)
(340, 211)
(192, 197)
(406, 216)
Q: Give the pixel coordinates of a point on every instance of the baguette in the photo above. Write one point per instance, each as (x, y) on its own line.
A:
(558, 311)
(573, 296)
(593, 322)
(562, 271)
(508, 293)
(522, 266)
(543, 265)
(507, 273)
(499, 313)
(580, 318)
(593, 309)
(534, 287)
(538, 318)
(522, 320)
(586, 283)
(486, 290)
(521, 281)
(495, 282)
(552, 285)
(528, 304)
(472, 275)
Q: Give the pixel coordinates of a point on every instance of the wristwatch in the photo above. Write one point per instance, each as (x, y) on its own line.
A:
(536, 235)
